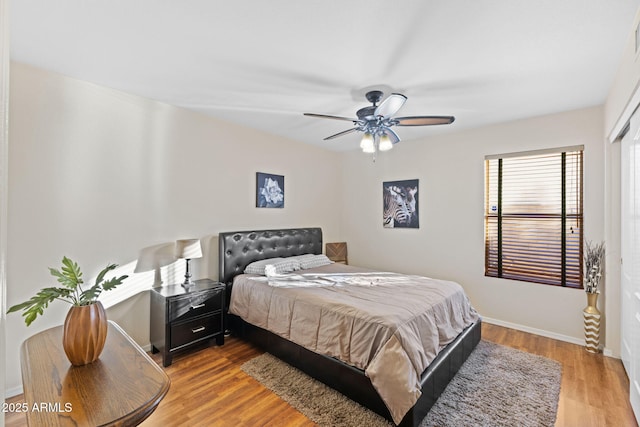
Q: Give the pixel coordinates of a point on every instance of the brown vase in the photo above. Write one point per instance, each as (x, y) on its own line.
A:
(85, 332)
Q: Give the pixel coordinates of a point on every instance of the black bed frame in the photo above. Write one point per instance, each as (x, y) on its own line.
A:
(240, 248)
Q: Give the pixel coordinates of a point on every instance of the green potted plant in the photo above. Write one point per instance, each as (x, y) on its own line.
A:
(85, 327)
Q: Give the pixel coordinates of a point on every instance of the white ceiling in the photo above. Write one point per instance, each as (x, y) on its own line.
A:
(263, 63)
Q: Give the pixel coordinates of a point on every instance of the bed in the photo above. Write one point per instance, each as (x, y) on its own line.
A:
(350, 376)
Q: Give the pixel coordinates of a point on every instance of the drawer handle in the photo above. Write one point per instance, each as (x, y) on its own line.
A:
(195, 307)
(198, 329)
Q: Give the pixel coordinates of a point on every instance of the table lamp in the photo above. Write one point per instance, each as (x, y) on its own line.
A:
(188, 249)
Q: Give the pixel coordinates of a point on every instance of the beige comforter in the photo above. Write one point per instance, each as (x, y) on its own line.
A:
(390, 325)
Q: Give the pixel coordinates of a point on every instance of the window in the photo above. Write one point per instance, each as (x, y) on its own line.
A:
(533, 216)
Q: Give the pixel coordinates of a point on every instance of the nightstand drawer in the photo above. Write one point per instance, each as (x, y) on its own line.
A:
(193, 305)
(193, 330)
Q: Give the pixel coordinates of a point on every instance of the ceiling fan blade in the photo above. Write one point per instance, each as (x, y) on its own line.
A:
(391, 105)
(326, 116)
(344, 132)
(424, 120)
(392, 135)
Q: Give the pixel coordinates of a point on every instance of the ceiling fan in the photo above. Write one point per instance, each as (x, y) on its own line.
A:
(376, 121)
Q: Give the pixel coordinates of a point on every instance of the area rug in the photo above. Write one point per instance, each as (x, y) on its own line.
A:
(496, 386)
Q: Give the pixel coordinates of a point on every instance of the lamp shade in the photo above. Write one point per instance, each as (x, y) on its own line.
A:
(367, 143)
(188, 248)
(385, 143)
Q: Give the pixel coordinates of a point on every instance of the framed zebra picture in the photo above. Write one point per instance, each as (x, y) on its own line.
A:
(400, 204)
(269, 190)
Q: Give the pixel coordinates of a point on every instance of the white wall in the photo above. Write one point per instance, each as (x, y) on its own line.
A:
(98, 175)
(450, 241)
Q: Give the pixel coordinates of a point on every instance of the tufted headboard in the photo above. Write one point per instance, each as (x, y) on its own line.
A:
(238, 249)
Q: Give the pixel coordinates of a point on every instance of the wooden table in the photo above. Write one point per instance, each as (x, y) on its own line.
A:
(121, 388)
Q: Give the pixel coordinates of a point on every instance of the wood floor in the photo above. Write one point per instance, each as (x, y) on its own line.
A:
(209, 389)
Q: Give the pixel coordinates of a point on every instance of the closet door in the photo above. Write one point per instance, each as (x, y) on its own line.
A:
(630, 249)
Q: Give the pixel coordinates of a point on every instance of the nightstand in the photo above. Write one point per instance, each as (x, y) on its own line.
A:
(181, 318)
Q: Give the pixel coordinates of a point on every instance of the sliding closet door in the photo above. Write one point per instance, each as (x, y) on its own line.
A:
(630, 249)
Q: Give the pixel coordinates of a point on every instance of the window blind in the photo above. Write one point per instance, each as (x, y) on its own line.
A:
(533, 216)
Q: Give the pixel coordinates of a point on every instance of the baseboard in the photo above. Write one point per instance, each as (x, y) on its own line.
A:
(548, 334)
(13, 391)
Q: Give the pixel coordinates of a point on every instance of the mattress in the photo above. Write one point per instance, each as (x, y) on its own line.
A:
(387, 324)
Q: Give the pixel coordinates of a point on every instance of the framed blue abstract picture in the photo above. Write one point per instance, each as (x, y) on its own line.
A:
(269, 190)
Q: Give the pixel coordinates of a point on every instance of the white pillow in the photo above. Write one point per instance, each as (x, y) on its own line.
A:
(314, 261)
(280, 266)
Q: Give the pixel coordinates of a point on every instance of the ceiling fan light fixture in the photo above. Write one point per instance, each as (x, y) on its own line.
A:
(367, 143)
(385, 144)
(376, 121)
